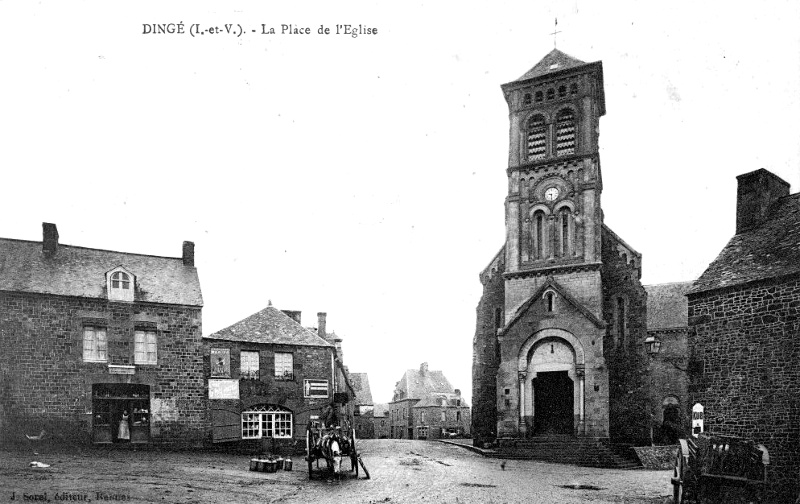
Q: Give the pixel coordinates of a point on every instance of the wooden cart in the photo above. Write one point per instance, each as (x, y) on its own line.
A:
(706, 464)
(345, 437)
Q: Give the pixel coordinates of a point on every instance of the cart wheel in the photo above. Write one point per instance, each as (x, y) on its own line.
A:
(308, 449)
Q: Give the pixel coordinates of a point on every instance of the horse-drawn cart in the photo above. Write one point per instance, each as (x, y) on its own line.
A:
(706, 464)
(332, 444)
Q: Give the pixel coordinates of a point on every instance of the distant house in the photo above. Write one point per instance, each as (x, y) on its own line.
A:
(268, 376)
(744, 330)
(667, 375)
(93, 339)
(425, 406)
(362, 405)
(380, 421)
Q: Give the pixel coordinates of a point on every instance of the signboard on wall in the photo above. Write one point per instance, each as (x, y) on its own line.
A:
(315, 388)
(221, 363)
(697, 419)
(223, 389)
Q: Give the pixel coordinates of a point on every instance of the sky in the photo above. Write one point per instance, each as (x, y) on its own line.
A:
(365, 176)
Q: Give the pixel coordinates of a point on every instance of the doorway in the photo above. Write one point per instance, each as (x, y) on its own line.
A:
(553, 403)
(114, 403)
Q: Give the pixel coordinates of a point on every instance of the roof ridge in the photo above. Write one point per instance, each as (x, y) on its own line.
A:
(60, 245)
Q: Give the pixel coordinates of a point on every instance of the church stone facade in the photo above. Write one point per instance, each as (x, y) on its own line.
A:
(561, 323)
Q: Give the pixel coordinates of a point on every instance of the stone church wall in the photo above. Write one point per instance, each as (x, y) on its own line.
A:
(623, 346)
(744, 347)
(485, 355)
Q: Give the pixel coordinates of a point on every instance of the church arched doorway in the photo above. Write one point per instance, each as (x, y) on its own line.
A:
(553, 393)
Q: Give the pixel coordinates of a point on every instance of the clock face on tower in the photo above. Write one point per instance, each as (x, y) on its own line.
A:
(551, 194)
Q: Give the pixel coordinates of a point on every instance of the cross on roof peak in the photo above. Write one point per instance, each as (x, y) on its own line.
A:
(555, 33)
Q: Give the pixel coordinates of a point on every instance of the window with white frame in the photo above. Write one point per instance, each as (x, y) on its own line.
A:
(444, 416)
(95, 346)
(145, 347)
(422, 416)
(284, 365)
(249, 365)
(266, 421)
(120, 280)
(120, 284)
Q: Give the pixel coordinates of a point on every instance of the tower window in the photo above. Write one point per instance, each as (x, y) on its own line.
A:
(498, 318)
(526, 100)
(539, 97)
(538, 235)
(573, 88)
(549, 299)
(551, 93)
(565, 133)
(537, 138)
(562, 91)
(564, 233)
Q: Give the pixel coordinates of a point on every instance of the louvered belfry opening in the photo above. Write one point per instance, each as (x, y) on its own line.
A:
(537, 138)
(565, 133)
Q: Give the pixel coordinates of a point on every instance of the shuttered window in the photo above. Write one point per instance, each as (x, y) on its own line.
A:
(565, 133)
(537, 138)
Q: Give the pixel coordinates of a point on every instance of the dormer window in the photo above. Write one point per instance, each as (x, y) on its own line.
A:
(120, 284)
(120, 280)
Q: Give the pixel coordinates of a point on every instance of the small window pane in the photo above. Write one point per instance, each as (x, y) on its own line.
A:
(249, 365)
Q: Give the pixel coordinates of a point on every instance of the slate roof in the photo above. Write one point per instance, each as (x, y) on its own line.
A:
(79, 271)
(555, 57)
(667, 305)
(380, 410)
(768, 251)
(270, 325)
(418, 385)
(360, 383)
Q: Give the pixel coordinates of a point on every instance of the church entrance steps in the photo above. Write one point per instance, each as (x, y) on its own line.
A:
(587, 452)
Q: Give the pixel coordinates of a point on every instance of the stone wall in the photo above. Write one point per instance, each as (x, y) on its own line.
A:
(47, 385)
(623, 346)
(744, 348)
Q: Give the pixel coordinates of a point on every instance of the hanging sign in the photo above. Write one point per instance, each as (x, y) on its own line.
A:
(315, 388)
(697, 419)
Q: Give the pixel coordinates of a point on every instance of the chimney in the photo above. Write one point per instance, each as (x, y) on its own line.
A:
(321, 329)
(293, 314)
(188, 253)
(423, 368)
(756, 192)
(49, 238)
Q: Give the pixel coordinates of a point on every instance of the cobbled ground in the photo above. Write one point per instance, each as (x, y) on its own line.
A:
(401, 471)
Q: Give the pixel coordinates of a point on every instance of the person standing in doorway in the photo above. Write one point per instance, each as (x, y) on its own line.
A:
(124, 432)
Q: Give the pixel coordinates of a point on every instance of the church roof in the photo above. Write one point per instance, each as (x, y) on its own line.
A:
(767, 251)
(270, 325)
(81, 272)
(554, 61)
(667, 305)
(361, 388)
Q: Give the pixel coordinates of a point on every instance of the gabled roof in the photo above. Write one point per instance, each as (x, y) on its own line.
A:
(554, 61)
(550, 283)
(81, 272)
(768, 251)
(416, 384)
(667, 305)
(360, 383)
(270, 325)
(380, 410)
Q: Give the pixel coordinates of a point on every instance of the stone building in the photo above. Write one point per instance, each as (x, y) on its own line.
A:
(744, 330)
(667, 375)
(92, 338)
(380, 421)
(362, 405)
(268, 376)
(558, 347)
(425, 406)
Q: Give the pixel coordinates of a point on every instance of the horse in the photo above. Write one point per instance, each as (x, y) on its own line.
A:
(332, 452)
